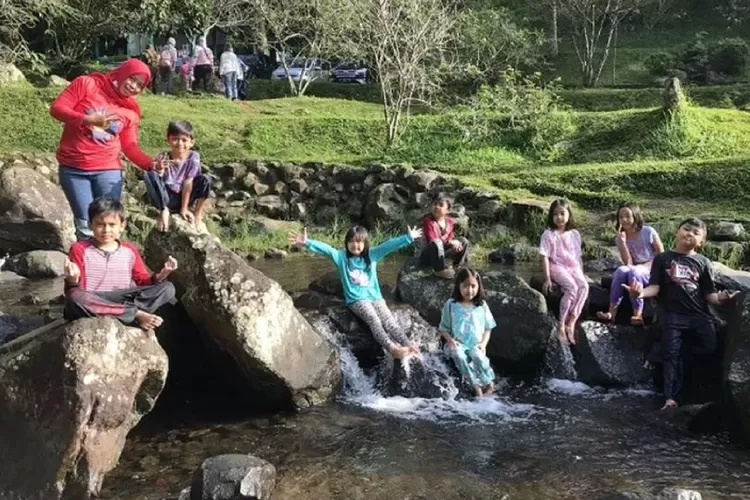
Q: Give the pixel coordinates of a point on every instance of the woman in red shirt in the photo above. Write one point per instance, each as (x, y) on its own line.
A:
(100, 118)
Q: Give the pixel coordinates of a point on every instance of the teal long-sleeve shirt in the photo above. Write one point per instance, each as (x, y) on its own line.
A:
(359, 281)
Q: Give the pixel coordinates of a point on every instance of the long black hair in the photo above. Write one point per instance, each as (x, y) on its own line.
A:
(462, 275)
(560, 203)
(358, 233)
(637, 215)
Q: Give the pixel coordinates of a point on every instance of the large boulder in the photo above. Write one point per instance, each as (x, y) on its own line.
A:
(385, 203)
(249, 316)
(524, 326)
(736, 367)
(68, 398)
(37, 264)
(34, 213)
(233, 477)
(10, 74)
(611, 354)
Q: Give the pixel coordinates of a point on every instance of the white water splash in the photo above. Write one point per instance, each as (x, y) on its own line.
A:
(572, 388)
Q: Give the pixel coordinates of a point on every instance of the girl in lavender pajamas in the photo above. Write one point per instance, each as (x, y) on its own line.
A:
(560, 248)
(638, 245)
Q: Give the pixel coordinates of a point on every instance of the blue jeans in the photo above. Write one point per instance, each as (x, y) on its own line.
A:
(230, 84)
(81, 187)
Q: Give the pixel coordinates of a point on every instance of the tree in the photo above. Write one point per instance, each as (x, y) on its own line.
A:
(490, 41)
(73, 36)
(593, 24)
(302, 32)
(407, 41)
(194, 18)
(16, 15)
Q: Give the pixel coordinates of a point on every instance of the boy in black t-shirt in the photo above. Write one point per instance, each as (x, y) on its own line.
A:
(682, 280)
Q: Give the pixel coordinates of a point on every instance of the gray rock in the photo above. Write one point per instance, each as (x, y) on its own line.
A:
(384, 204)
(37, 264)
(34, 213)
(10, 74)
(233, 477)
(249, 316)
(736, 367)
(290, 172)
(422, 180)
(528, 214)
(249, 180)
(611, 354)
(524, 324)
(68, 398)
(57, 81)
(272, 206)
(259, 189)
(10, 276)
(602, 265)
(513, 253)
(12, 327)
(298, 185)
(275, 253)
(726, 231)
(329, 284)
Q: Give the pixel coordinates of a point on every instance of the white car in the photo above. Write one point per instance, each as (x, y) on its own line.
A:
(303, 70)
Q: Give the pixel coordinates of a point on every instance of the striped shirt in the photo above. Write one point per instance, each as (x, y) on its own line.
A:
(107, 271)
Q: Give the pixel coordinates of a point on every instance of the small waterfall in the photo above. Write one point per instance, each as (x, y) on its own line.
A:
(558, 360)
(414, 389)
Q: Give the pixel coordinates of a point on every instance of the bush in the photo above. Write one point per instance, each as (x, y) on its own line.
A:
(702, 61)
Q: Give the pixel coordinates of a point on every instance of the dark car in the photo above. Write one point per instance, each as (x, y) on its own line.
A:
(350, 72)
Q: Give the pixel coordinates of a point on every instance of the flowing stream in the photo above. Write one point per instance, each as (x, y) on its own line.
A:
(553, 439)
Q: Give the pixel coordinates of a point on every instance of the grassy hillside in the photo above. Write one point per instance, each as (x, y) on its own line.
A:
(699, 163)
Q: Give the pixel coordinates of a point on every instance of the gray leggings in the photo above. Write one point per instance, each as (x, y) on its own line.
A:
(381, 322)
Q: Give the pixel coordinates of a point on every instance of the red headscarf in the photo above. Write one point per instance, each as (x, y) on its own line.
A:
(108, 82)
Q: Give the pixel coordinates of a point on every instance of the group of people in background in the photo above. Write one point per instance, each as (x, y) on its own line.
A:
(106, 276)
(196, 71)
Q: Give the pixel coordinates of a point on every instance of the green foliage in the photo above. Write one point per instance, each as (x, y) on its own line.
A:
(522, 112)
(702, 60)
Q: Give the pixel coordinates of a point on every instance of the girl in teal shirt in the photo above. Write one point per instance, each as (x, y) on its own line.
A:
(466, 324)
(356, 265)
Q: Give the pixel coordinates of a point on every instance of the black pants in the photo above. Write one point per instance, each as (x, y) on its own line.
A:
(435, 252)
(122, 304)
(694, 336)
(203, 73)
(162, 197)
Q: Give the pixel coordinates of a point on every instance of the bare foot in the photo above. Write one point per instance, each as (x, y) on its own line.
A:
(162, 223)
(671, 403)
(477, 391)
(562, 335)
(606, 317)
(636, 320)
(414, 349)
(571, 332)
(399, 352)
(489, 389)
(147, 321)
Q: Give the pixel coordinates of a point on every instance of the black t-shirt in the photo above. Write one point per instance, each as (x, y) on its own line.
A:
(684, 281)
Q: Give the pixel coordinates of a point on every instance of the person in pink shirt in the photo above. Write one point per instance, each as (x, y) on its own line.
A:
(203, 68)
(560, 248)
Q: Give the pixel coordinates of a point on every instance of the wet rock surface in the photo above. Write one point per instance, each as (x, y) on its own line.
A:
(249, 316)
(233, 477)
(68, 398)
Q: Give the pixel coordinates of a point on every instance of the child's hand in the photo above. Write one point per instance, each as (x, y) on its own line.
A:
(546, 286)
(414, 232)
(296, 238)
(170, 265)
(71, 272)
(100, 120)
(725, 296)
(635, 289)
(622, 235)
(187, 215)
(457, 246)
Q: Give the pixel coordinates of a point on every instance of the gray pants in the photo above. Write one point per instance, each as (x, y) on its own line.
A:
(380, 320)
(435, 253)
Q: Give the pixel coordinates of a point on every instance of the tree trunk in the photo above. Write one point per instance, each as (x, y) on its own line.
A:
(555, 38)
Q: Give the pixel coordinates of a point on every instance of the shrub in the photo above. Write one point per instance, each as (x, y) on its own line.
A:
(661, 63)
(729, 56)
(702, 61)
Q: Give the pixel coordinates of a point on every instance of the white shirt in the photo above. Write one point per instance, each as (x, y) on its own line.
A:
(229, 63)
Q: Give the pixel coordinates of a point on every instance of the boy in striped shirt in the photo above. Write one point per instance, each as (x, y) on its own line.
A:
(107, 276)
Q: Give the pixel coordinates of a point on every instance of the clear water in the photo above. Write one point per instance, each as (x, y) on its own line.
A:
(554, 439)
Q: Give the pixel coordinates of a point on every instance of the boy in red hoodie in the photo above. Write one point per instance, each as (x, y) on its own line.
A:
(107, 276)
(440, 240)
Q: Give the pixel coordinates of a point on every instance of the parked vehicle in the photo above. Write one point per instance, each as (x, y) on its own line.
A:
(350, 72)
(303, 70)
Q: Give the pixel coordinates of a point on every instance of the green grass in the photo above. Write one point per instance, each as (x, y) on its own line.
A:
(695, 165)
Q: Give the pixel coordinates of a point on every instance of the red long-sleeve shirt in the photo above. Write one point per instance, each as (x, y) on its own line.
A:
(92, 148)
(432, 230)
(107, 271)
